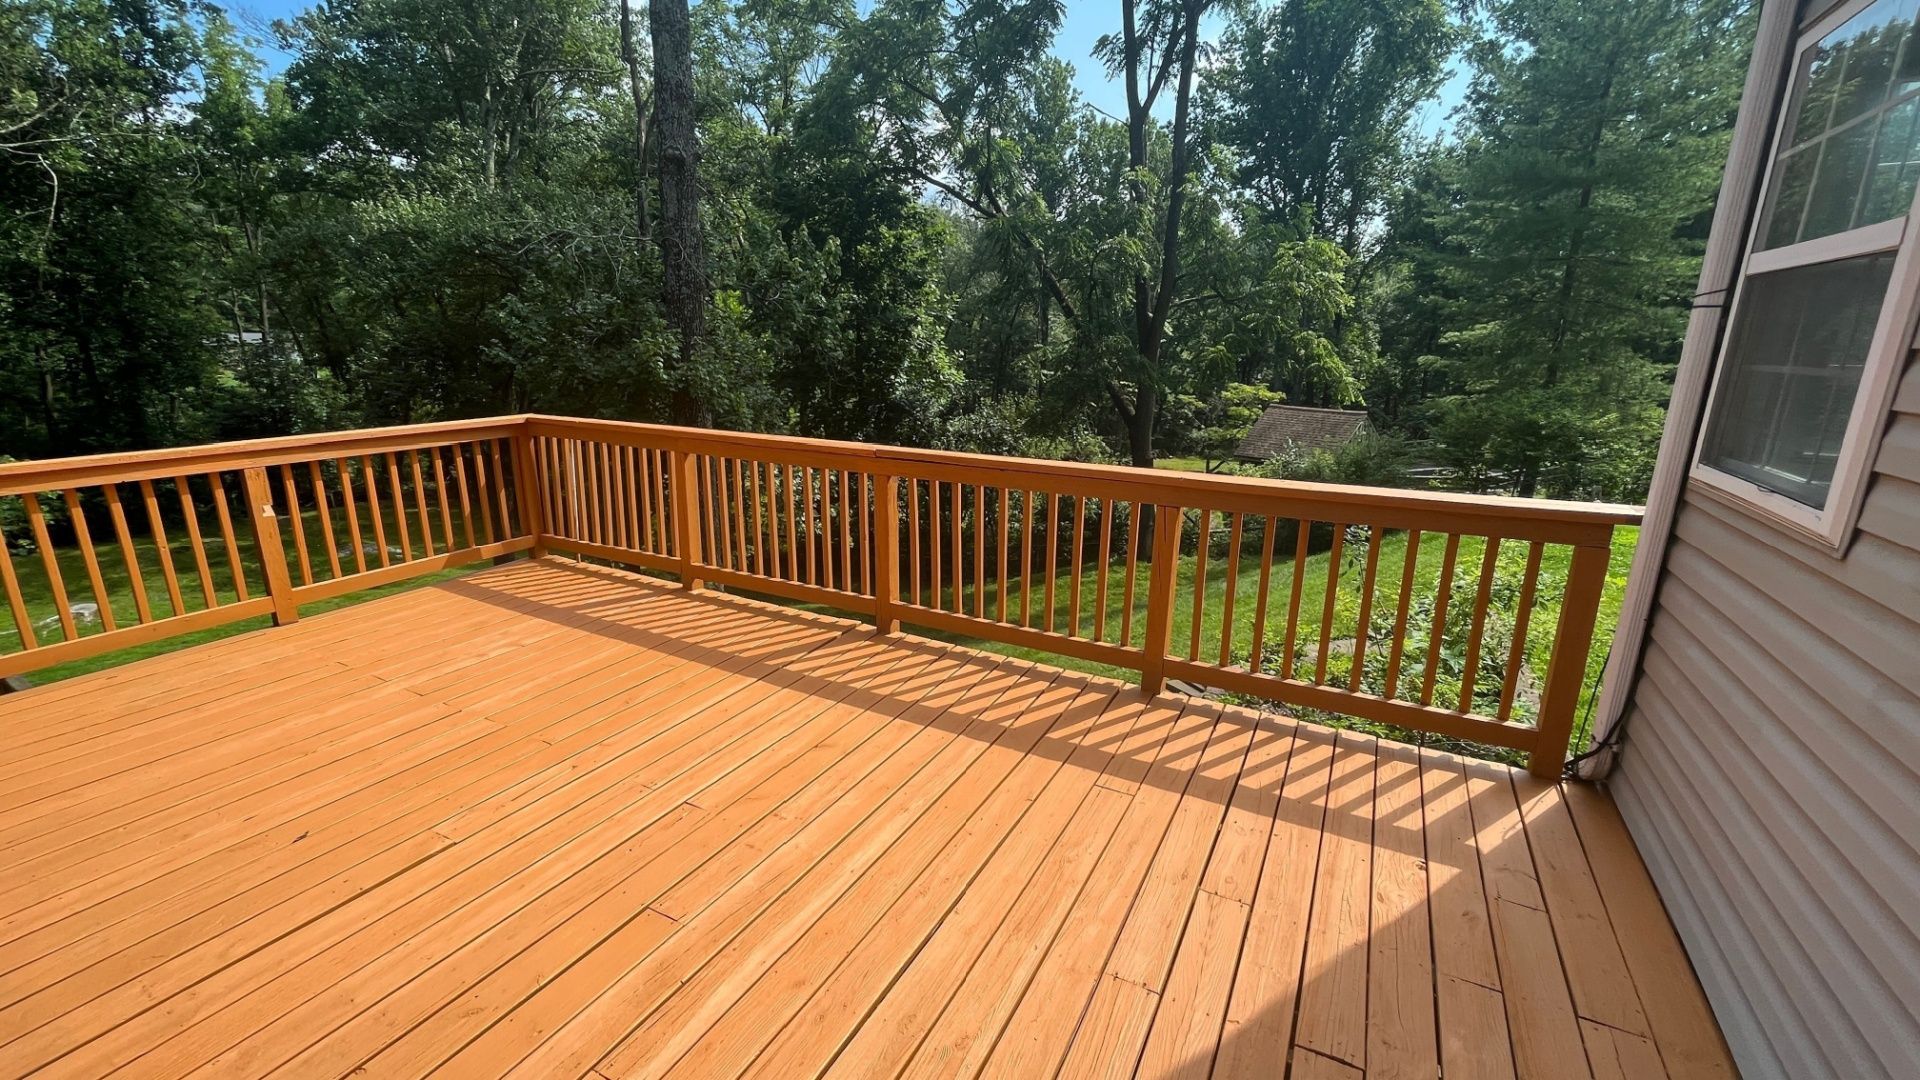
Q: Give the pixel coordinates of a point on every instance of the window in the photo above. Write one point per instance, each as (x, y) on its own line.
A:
(1823, 312)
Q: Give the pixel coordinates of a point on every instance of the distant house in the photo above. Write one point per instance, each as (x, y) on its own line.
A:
(1291, 428)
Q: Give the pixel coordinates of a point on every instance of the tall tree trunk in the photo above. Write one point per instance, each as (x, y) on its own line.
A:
(642, 215)
(682, 247)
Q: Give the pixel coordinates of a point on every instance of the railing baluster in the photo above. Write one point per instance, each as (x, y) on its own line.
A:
(913, 538)
(1000, 587)
(299, 531)
(1327, 607)
(1522, 615)
(483, 487)
(369, 479)
(863, 481)
(1367, 580)
(813, 543)
(326, 515)
(1231, 585)
(934, 555)
(440, 490)
(1106, 560)
(1438, 640)
(1398, 650)
(1053, 552)
(1303, 537)
(162, 551)
(1203, 537)
(1260, 603)
(959, 559)
(979, 552)
(16, 602)
(1076, 528)
(886, 561)
(37, 521)
(740, 548)
(266, 534)
(400, 509)
(1134, 538)
(1482, 596)
(845, 505)
(227, 537)
(194, 539)
(142, 607)
(92, 560)
(466, 500)
(353, 516)
(686, 514)
(420, 501)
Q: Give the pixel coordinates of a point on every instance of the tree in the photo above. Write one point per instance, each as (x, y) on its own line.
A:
(1596, 135)
(683, 252)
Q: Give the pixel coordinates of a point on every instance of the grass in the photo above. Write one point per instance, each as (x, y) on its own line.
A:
(36, 587)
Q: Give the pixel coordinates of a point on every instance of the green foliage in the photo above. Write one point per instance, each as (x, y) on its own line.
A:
(1370, 459)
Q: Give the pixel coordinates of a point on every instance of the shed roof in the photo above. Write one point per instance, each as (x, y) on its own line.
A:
(1294, 427)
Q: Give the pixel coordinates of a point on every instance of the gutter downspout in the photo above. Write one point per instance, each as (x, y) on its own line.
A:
(1761, 98)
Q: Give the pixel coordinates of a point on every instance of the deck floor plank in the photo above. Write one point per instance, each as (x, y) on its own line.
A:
(556, 820)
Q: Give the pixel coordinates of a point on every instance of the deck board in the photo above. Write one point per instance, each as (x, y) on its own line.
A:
(556, 820)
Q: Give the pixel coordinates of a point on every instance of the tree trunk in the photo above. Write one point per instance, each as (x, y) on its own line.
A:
(642, 215)
(682, 247)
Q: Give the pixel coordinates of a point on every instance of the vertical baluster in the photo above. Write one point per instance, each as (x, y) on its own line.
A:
(630, 489)
(869, 553)
(979, 551)
(1327, 607)
(37, 520)
(326, 516)
(1133, 567)
(1162, 581)
(1523, 614)
(1106, 556)
(292, 494)
(1203, 536)
(527, 482)
(227, 535)
(85, 538)
(934, 544)
(396, 490)
(759, 525)
(1292, 638)
(721, 514)
(913, 537)
(1567, 671)
(353, 516)
(885, 537)
(1260, 604)
(1230, 586)
(369, 479)
(1076, 528)
(806, 477)
(195, 540)
(1027, 525)
(1000, 589)
(420, 500)
(1470, 668)
(483, 491)
(546, 455)
(1397, 650)
(16, 601)
(141, 605)
(658, 468)
(158, 530)
(1367, 580)
(440, 489)
(1053, 553)
(740, 521)
(795, 564)
(959, 559)
(1439, 635)
(466, 499)
(845, 505)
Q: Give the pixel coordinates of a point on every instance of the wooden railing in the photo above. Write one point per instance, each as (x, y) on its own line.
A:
(1466, 616)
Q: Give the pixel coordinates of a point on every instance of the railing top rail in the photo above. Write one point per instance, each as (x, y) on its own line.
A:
(1150, 485)
(48, 474)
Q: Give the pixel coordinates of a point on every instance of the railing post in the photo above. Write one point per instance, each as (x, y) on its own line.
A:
(686, 516)
(1163, 575)
(527, 493)
(273, 555)
(1567, 670)
(886, 555)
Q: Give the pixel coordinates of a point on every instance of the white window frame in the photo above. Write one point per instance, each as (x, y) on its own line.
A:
(1831, 525)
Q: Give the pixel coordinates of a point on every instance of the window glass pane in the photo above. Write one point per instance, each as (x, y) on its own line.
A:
(1792, 364)
(1846, 94)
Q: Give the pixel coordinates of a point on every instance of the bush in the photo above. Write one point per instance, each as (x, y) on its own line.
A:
(1372, 459)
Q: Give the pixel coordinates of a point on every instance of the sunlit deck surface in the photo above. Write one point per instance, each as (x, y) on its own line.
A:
(552, 820)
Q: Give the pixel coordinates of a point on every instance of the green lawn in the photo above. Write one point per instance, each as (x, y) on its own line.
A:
(37, 591)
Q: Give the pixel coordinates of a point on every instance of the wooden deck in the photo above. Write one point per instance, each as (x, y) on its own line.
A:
(551, 820)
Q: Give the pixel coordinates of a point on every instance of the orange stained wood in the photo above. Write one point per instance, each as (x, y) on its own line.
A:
(556, 820)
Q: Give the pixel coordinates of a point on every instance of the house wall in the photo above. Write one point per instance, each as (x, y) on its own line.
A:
(1770, 771)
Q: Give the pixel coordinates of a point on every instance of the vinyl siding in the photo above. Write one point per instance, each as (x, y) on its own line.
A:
(1771, 772)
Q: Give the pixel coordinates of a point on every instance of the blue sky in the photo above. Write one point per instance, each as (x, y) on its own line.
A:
(1085, 21)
